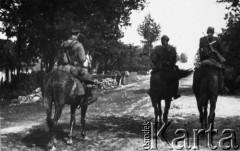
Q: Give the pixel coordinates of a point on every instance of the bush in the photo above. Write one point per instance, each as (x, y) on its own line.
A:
(22, 86)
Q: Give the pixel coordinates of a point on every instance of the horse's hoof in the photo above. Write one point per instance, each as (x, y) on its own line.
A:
(69, 142)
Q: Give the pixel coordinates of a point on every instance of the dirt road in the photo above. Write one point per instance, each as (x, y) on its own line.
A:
(115, 122)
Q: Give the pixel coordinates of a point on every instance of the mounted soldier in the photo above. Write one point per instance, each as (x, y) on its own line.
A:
(210, 54)
(208, 78)
(164, 80)
(74, 60)
(165, 57)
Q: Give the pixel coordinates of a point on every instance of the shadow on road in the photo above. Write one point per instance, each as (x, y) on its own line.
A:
(112, 129)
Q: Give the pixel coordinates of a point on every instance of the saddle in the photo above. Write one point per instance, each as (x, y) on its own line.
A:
(211, 62)
(78, 86)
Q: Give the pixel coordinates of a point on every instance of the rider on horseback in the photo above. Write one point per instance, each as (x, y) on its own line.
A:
(210, 54)
(74, 56)
(165, 57)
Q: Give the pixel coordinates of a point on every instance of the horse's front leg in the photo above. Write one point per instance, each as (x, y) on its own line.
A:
(72, 123)
(200, 110)
(156, 111)
(211, 116)
(166, 109)
(83, 115)
(205, 117)
(204, 104)
(159, 113)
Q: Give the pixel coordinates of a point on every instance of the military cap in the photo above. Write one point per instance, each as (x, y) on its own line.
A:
(210, 30)
(75, 31)
(165, 37)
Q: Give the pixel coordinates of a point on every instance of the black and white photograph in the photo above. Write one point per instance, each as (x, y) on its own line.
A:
(119, 75)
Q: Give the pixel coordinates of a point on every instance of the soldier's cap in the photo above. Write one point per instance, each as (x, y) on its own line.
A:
(210, 30)
(165, 37)
(75, 31)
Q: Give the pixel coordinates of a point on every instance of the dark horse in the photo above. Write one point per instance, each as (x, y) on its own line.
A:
(58, 90)
(162, 87)
(206, 87)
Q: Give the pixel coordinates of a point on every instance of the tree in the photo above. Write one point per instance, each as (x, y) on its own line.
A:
(7, 57)
(231, 35)
(40, 26)
(150, 31)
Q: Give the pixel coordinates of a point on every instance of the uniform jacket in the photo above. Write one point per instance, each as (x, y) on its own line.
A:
(205, 52)
(164, 57)
(72, 53)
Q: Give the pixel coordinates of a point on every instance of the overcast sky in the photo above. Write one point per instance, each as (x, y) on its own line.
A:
(182, 20)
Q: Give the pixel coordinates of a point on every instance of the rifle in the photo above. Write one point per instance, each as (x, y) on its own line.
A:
(220, 58)
(66, 55)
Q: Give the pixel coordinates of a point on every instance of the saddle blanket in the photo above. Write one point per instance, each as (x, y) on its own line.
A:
(73, 70)
(77, 88)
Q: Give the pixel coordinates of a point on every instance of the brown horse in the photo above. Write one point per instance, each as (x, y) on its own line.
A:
(59, 88)
(162, 87)
(206, 87)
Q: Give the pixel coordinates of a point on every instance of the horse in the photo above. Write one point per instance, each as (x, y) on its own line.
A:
(206, 87)
(162, 87)
(59, 88)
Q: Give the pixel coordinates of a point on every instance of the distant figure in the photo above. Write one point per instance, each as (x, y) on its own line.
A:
(122, 78)
(127, 74)
(118, 77)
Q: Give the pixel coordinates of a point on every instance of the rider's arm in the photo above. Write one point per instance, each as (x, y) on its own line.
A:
(81, 53)
(220, 47)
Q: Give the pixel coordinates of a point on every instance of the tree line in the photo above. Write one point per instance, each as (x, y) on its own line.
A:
(40, 26)
(230, 38)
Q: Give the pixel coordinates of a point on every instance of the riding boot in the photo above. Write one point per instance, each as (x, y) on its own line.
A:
(223, 89)
(177, 93)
